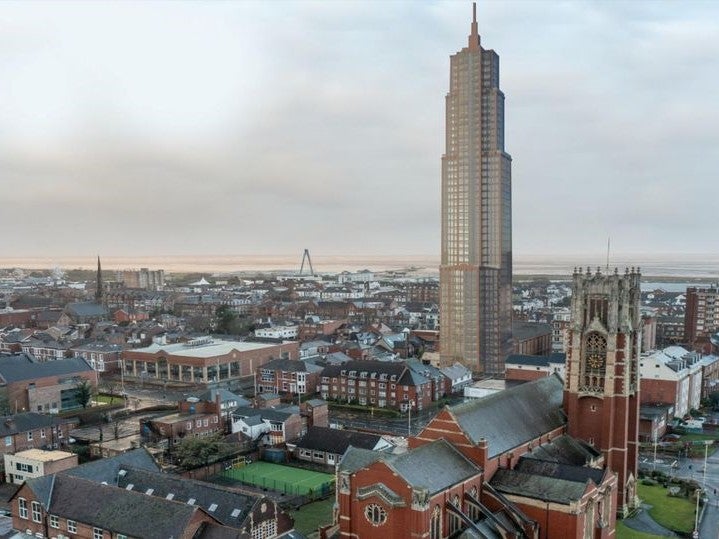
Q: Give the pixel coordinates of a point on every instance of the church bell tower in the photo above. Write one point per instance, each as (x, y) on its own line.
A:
(601, 391)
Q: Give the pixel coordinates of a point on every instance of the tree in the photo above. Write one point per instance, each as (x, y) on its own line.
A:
(195, 452)
(224, 319)
(84, 393)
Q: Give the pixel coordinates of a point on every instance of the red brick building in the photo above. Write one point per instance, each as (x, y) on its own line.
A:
(384, 384)
(523, 469)
(62, 504)
(204, 360)
(525, 368)
(602, 392)
(552, 459)
(52, 386)
(532, 338)
(291, 376)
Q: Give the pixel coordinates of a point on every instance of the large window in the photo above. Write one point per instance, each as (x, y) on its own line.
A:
(36, 513)
(435, 524)
(71, 526)
(54, 521)
(22, 507)
(97, 533)
(375, 514)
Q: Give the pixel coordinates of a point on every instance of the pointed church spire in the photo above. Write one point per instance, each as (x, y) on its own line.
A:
(474, 33)
(98, 290)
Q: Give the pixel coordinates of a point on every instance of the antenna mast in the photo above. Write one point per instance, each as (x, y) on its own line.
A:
(608, 239)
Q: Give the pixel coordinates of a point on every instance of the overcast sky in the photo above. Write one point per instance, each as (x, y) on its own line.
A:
(141, 128)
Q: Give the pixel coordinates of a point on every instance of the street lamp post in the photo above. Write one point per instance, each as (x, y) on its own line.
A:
(696, 515)
(707, 443)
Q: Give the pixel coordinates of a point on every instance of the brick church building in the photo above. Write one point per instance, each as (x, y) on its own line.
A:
(549, 458)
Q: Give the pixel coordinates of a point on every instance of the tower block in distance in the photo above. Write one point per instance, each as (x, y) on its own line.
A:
(601, 392)
(475, 273)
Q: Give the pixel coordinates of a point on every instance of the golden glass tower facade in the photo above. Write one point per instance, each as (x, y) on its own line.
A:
(476, 264)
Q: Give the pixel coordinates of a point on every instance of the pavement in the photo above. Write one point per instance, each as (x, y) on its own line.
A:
(642, 522)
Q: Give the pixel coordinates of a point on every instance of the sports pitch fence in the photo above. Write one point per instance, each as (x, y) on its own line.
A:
(287, 479)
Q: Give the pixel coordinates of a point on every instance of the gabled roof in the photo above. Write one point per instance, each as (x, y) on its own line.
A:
(336, 441)
(118, 510)
(26, 421)
(548, 481)
(380, 367)
(107, 470)
(269, 414)
(515, 416)
(434, 466)
(566, 450)
(229, 507)
(548, 489)
(85, 309)
(556, 470)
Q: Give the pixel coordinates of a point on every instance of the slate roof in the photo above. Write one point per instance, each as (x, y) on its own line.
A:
(85, 309)
(566, 450)
(225, 396)
(369, 366)
(565, 472)
(113, 509)
(434, 466)
(291, 365)
(512, 417)
(269, 414)
(219, 502)
(537, 487)
(335, 440)
(528, 330)
(26, 421)
(107, 470)
(21, 367)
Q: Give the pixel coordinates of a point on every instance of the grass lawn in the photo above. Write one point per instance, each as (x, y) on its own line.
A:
(309, 517)
(107, 399)
(699, 437)
(623, 532)
(673, 513)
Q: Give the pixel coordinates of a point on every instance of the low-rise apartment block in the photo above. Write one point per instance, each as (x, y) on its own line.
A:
(36, 463)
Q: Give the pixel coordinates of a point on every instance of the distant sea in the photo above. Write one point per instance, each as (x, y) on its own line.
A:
(694, 266)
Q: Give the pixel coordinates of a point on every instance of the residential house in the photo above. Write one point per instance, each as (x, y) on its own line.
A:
(270, 426)
(291, 376)
(323, 445)
(458, 377)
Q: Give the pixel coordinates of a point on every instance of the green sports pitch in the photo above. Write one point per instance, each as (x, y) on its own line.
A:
(285, 479)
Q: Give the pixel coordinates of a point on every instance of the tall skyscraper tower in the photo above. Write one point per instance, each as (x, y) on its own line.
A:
(476, 266)
(601, 390)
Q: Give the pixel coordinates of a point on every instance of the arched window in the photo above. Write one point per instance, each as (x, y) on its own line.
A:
(435, 524)
(455, 522)
(473, 510)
